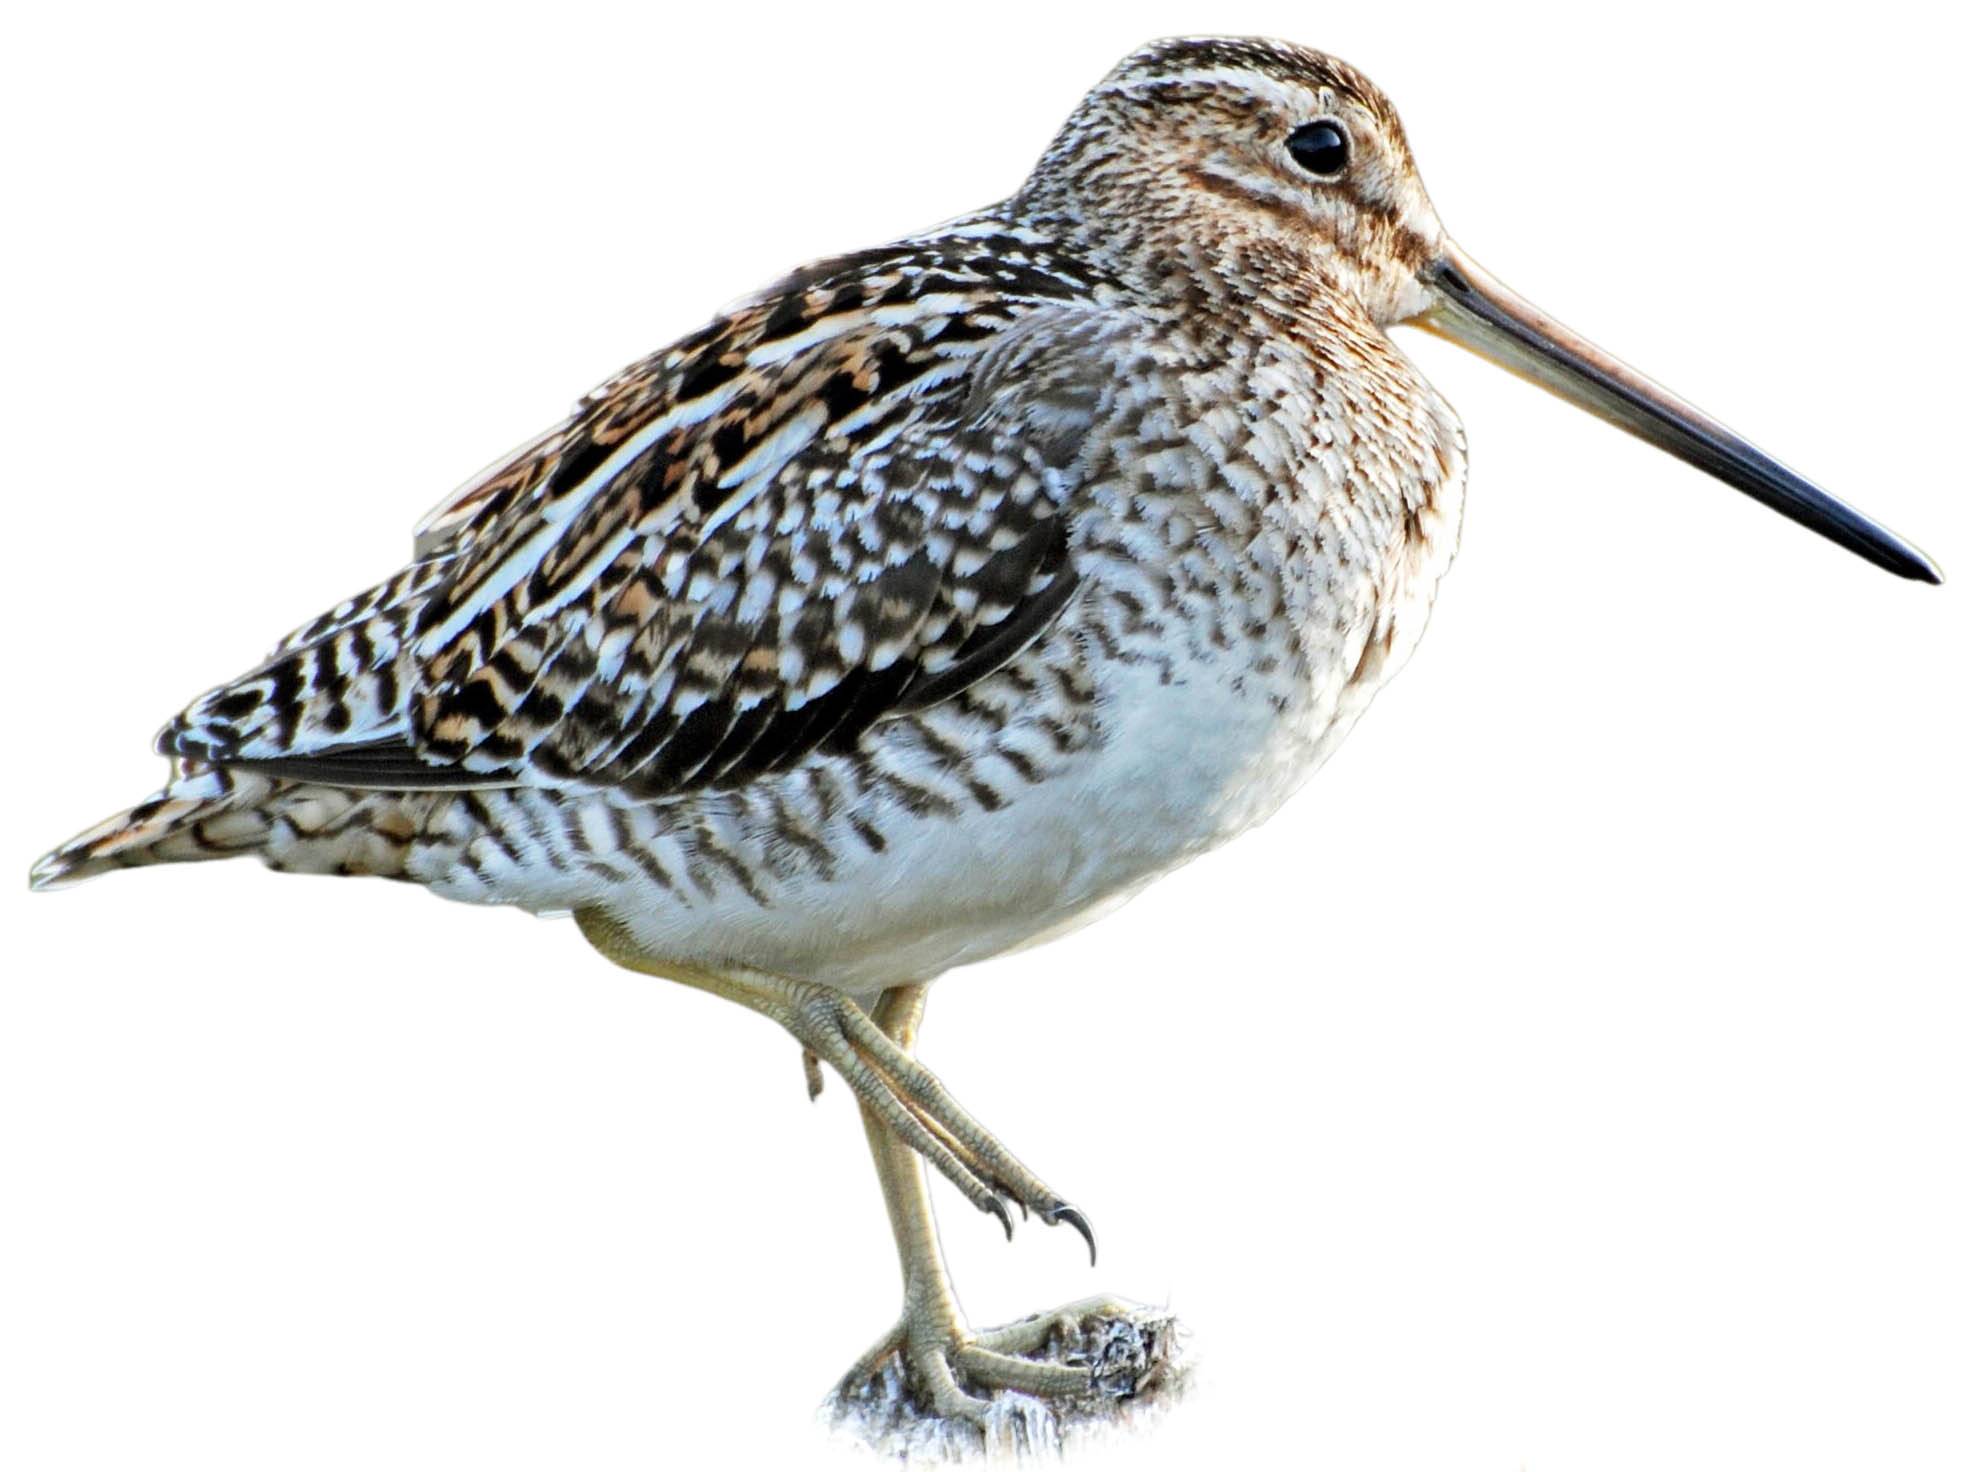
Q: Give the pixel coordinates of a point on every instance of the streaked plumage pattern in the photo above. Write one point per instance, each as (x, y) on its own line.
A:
(976, 525)
(891, 546)
(928, 604)
(744, 548)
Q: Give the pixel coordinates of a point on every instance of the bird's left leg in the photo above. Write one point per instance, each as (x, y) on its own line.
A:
(1094, 1353)
(913, 1103)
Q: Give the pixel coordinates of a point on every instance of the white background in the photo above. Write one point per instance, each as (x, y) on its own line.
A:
(1569, 1079)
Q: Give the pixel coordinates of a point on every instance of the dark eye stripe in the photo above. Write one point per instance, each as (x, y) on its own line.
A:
(1321, 147)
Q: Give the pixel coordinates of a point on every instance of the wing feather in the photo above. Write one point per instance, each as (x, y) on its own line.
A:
(846, 499)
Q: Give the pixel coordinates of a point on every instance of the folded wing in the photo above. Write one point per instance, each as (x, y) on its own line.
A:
(843, 501)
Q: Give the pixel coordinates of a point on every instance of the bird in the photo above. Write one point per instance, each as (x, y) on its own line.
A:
(930, 602)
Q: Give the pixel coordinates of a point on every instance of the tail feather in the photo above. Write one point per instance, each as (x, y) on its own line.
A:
(204, 813)
(211, 812)
(339, 681)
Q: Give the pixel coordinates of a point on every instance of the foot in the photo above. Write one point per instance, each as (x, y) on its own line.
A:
(941, 1387)
(918, 1108)
(895, 1088)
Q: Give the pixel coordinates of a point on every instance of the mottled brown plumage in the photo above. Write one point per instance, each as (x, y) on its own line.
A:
(929, 602)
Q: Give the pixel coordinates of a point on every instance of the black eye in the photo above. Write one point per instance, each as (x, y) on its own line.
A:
(1321, 148)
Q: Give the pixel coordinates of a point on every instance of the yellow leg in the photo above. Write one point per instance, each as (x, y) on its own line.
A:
(912, 1121)
(943, 1357)
(913, 1105)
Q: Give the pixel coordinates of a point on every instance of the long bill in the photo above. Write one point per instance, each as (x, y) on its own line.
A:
(1474, 310)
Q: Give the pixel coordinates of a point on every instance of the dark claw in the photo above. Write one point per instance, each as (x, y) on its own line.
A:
(1002, 1213)
(1069, 1213)
(1021, 1206)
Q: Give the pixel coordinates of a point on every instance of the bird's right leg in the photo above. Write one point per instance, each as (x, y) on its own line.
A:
(947, 1362)
(891, 1084)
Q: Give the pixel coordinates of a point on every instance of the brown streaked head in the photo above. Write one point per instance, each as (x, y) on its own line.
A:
(1285, 173)
(1272, 156)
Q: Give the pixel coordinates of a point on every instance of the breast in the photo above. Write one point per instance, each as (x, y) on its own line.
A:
(1269, 562)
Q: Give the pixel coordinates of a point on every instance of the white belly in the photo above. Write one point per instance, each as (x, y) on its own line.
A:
(1184, 767)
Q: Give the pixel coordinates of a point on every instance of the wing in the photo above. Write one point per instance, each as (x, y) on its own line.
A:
(845, 500)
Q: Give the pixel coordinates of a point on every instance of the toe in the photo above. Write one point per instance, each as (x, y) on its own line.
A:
(933, 1372)
(997, 1371)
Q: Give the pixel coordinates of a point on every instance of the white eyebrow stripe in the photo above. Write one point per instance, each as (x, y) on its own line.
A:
(1248, 79)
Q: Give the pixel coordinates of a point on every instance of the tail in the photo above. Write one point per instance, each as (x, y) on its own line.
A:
(225, 813)
(204, 813)
(335, 680)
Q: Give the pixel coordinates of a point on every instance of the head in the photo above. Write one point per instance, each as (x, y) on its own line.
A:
(1290, 160)
(1286, 172)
